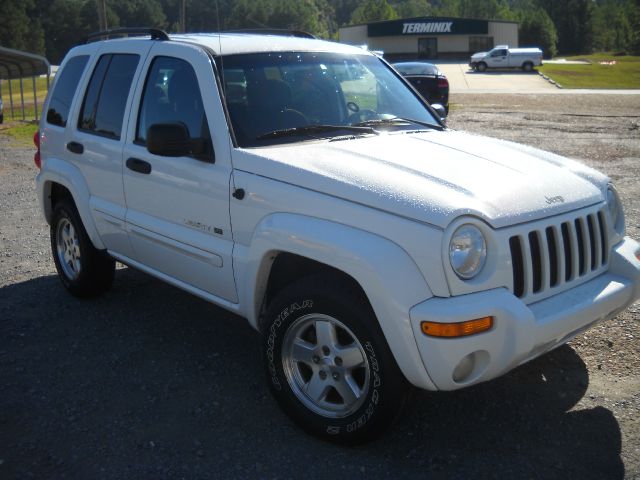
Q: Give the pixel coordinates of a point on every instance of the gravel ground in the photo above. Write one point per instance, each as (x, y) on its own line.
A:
(150, 382)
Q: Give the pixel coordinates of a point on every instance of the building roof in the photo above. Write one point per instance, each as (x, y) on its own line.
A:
(18, 64)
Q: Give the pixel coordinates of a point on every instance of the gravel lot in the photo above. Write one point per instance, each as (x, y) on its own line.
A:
(150, 382)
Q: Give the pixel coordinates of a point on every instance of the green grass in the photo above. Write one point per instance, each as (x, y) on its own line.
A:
(20, 133)
(624, 74)
(27, 85)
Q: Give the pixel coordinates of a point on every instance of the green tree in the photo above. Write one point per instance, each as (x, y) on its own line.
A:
(313, 16)
(21, 27)
(612, 21)
(537, 29)
(343, 10)
(64, 26)
(574, 23)
(413, 8)
(373, 11)
(634, 20)
(135, 13)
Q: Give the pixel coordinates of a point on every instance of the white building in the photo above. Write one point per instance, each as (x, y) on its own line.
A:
(431, 37)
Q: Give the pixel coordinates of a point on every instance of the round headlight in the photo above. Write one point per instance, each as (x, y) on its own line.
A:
(613, 203)
(467, 251)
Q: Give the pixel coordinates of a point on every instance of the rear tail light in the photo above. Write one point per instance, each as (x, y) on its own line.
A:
(443, 82)
(36, 142)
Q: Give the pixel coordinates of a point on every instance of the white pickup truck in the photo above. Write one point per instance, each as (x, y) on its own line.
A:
(504, 57)
(371, 246)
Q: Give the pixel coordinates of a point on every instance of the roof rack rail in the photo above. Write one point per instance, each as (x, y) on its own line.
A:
(156, 33)
(273, 31)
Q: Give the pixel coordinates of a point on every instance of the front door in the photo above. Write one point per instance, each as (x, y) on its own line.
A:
(428, 47)
(178, 207)
(498, 58)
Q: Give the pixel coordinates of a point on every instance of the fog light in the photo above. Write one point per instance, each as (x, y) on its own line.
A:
(471, 367)
(464, 368)
(458, 329)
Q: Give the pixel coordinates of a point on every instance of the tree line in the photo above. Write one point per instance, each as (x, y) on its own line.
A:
(51, 27)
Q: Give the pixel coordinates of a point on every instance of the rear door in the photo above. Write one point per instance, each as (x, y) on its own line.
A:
(97, 136)
(178, 207)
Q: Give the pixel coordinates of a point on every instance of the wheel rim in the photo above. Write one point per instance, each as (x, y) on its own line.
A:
(68, 249)
(325, 365)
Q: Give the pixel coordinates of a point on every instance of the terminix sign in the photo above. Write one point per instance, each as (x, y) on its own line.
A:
(428, 25)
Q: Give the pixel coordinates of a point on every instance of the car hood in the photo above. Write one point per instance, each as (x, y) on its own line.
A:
(434, 176)
(479, 55)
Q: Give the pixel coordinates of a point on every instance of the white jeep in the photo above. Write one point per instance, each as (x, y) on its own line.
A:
(307, 187)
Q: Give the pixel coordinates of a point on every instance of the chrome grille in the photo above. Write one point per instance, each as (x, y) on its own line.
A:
(557, 254)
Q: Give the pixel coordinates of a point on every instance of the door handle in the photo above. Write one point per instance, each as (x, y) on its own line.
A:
(75, 147)
(138, 165)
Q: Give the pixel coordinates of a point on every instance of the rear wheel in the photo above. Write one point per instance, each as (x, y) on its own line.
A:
(527, 66)
(82, 269)
(328, 363)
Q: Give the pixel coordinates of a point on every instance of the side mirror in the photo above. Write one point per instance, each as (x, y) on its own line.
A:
(168, 140)
(440, 110)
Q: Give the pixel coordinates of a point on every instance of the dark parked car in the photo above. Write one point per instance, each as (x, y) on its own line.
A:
(428, 80)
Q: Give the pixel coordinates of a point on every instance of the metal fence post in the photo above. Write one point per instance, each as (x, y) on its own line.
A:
(11, 99)
(22, 97)
(35, 97)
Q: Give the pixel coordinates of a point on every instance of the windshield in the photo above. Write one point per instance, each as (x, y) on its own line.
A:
(269, 94)
(415, 68)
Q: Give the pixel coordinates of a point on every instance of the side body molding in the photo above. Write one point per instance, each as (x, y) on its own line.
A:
(55, 170)
(386, 273)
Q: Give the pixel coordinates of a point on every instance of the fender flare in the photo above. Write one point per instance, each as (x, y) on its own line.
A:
(387, 274)
(69, 176)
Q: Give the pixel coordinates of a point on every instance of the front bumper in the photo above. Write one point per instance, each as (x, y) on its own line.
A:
(521, 332)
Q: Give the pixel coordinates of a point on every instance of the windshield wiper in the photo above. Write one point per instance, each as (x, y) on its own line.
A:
(307, 129)
(396, 121)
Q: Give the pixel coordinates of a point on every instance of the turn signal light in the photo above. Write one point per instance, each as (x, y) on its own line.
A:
(458, 329)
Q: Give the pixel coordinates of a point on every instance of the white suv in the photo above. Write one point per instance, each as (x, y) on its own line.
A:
(306, 186)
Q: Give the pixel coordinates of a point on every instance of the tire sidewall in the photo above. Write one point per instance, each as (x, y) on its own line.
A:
(368, 418)
(96, 268)
(62, 212)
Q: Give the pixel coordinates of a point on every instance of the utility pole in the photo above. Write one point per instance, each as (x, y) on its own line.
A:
(183, 16)
(102, 14)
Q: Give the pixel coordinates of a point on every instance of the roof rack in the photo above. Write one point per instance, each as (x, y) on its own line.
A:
(156, 33)
(273, 31)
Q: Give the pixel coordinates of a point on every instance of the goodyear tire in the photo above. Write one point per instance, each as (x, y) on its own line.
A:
(328, 364)
(83, 270)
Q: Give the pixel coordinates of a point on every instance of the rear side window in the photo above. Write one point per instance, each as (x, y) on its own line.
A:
(65, 89)
(106, 97)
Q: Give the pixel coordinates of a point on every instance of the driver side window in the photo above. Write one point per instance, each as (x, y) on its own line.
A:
(172, 95)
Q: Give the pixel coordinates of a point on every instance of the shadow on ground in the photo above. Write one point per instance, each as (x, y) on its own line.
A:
(150, 382)
(502, 71)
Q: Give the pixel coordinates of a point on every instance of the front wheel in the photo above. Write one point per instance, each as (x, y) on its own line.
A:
(328, 363)
(481, 67)
(82, 269)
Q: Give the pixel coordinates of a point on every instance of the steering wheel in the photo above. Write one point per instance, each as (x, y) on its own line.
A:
(363, 115)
